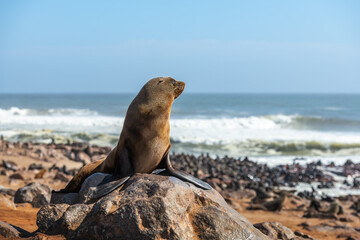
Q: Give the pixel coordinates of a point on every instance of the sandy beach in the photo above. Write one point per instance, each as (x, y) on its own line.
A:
(23, 163)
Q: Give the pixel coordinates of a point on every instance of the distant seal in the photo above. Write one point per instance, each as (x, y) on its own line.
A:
(274, 205)
(144, 142)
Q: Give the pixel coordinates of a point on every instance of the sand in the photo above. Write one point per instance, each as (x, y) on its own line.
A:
(24, 215)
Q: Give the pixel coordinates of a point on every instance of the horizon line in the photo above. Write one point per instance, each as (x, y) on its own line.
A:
(83, 93)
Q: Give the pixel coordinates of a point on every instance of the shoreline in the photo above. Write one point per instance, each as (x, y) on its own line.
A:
(301, 173)
(238, 181)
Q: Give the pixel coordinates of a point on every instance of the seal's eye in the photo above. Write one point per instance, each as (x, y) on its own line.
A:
(173, 82)
(160, 81)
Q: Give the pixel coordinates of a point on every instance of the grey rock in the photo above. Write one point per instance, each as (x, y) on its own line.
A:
(149, 207)
(74, 216)
(48, 217)
(35, 193)
(67, 198)
(7, 191)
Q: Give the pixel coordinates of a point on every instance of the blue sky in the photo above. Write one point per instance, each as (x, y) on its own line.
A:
(214, 46)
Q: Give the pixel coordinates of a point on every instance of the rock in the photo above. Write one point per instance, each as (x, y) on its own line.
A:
(303, 235)
(6, 202)
(71, 156)
(41, 236)
(8, 231)
(67, 198)
(149, 207)
(73, 217)
(83, 157)
(48, 217)
(7, 191)
(35, 193)
(275, 230)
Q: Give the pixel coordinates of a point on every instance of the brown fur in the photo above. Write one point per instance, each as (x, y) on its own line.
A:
(144, 139)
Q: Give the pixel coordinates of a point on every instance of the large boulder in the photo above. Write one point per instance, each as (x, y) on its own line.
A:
(36, 194)
(149, 207)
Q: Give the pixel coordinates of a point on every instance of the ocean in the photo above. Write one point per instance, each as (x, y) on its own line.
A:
(272, 128)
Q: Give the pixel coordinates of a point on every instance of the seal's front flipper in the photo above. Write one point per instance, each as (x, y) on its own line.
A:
(108, 187)
(184, 176)
(123, 171)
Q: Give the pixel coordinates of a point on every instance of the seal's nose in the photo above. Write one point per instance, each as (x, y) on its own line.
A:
(180, 84)
(179, 88)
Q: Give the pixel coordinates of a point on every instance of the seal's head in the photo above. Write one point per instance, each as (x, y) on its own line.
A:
(160, 85)
(156, 98)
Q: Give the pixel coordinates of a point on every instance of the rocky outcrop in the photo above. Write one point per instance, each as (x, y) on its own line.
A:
(148, 207)
(36, 194)
(7, 231)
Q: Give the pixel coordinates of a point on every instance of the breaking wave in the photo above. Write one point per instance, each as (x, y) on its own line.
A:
(270, 135)
(67, 115)
(15, 111)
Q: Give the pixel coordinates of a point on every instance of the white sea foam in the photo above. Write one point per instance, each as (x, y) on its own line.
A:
(266, 128)
(272, 135)
(15, 111)
(66, 119)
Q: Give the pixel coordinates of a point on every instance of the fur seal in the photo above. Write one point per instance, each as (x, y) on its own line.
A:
(261, 195)
(144, 142)
(273, 205)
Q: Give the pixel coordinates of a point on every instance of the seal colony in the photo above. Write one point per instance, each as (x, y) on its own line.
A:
(144, 142)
